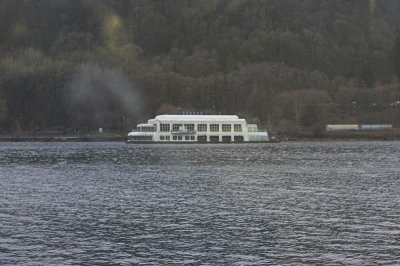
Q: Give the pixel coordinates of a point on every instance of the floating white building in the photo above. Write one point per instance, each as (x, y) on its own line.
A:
(197, 129)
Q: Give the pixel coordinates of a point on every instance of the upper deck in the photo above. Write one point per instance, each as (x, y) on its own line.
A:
(198, 119)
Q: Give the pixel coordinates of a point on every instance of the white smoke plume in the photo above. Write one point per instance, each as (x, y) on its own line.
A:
(103, 98)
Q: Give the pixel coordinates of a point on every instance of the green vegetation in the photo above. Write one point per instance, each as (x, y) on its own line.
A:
(286, 64)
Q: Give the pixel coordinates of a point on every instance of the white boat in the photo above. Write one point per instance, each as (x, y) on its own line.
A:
(197, 129)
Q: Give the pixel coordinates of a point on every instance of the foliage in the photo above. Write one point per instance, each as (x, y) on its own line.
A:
(289, 64)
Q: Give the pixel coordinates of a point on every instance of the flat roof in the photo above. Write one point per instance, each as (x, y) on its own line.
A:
(145, 125)
(198, 118)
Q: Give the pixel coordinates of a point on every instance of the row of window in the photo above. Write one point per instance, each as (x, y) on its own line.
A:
(188, 138)
(201, 127)
(182, 127)
(140, 138)
(225, 139)
(203, 138)
(146, 129)
(178, 138)
(164, 128)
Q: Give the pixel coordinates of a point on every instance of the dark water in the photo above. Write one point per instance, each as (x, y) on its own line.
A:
(112, 203)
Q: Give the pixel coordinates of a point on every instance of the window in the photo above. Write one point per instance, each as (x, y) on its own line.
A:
(166, 137)
(179, 137)
(202, 139)
(164, 127)
(226, 128)
(186, 137)
(192, 138)
(176, 127)
(202, 127)
(146, 129)
(189, 127)
(238, 138)
(161, 137)
(214, 127)
(214, 138)
(140, 138)
(174, 137)
(237, 127)
(226, 138)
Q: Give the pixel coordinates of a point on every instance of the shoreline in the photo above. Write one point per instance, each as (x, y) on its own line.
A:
(61, 138)
(121, 137)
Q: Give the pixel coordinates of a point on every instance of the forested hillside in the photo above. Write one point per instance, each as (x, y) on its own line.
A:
(287, 64)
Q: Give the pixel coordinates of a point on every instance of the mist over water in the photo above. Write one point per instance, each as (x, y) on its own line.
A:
(311, 203)
(102, 97)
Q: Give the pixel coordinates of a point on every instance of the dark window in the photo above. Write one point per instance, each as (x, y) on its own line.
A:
(202, 127)
(176, 127)
(226, 128)
(146, 129)
(237, 127)
(214, 127)
(202, 139)
(226, 138)
(214, 138)
(140, 138)
(186, 137)
(238, 138)
(189, 127)
(164, 127)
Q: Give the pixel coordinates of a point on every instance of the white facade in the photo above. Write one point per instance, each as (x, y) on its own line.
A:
(363, 127)
(377, 127)
(197, 128)
(342, 127)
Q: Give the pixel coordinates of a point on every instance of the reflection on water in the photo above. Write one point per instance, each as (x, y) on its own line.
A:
(288, 203)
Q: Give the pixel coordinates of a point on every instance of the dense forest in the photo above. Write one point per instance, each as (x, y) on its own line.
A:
(287, 64)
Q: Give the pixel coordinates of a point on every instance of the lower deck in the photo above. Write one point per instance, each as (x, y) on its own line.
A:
(186, 139)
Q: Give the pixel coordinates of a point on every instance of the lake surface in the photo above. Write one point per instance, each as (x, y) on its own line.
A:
(246, 204)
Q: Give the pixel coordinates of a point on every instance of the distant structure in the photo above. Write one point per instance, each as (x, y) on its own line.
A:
(356, 127)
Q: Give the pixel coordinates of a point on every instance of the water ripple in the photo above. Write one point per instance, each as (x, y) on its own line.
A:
(110, 203)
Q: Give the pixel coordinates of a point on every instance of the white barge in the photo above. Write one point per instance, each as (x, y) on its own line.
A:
(197, 129)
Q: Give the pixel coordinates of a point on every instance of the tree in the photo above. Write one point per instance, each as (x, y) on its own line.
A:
(396, 57)
(228, 56)
(3, 110)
